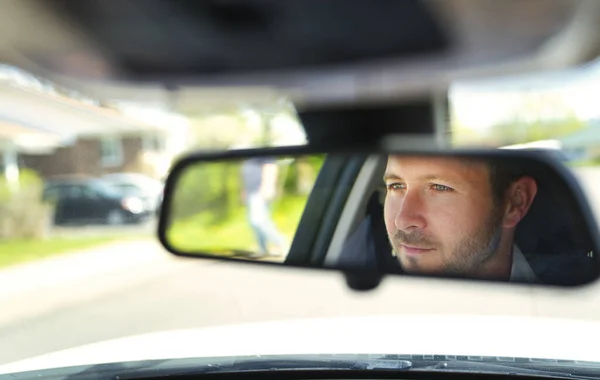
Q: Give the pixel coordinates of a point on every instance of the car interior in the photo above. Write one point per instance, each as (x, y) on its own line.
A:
(554, 235)
(365, 79)
(551, 235)
(349, 189)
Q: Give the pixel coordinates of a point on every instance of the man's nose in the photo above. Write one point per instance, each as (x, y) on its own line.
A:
(410, 215)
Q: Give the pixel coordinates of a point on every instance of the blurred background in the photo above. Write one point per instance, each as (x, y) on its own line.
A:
(84, 160)
(68, 160)
(54, 138)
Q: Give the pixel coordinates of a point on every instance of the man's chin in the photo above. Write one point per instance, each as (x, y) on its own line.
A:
(423, 269)
(418, 265)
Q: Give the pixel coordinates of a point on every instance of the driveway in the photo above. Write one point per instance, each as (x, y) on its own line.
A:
(147, 228)
(166, 293)
(150, 291)
(60, 281)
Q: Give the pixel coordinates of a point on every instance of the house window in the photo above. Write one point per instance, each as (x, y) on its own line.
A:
(111, 151)
(153, 143)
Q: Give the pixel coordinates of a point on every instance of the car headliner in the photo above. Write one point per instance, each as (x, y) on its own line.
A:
(454, 39)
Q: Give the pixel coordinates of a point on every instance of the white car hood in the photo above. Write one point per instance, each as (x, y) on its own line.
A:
(527, 337)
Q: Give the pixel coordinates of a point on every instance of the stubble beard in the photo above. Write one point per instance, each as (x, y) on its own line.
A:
(464, 259)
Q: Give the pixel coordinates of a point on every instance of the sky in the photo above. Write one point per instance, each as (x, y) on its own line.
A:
(480, 104)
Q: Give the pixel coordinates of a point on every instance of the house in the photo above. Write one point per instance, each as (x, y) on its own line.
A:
(141, 152)
(15, 138)
(62, 136)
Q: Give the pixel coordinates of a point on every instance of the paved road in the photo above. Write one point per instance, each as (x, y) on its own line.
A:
(147, 228)
(83, 298)
(167, 293)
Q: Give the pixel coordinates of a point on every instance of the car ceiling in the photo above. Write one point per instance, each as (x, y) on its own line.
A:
(320, 53)
(179, 37)
(194, 43)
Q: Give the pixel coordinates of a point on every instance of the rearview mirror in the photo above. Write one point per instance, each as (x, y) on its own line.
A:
(495, 215)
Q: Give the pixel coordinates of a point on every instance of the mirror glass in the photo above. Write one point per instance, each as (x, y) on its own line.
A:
(246, 208)
(505, 218)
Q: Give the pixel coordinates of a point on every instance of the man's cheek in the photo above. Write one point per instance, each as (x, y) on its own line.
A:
(445, 220)
(389, 217)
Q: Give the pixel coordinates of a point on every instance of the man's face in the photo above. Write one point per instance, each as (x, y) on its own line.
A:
(440, 215)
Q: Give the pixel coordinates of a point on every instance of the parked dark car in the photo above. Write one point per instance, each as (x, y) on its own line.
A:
(140, 186)
(92, 201)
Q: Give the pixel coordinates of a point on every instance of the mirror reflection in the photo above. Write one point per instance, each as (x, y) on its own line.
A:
(511, 219)
(247, 209)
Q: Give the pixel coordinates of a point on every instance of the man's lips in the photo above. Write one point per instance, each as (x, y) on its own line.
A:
(415, 250)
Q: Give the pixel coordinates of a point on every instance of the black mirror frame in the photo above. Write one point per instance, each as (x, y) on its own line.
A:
(362, 280)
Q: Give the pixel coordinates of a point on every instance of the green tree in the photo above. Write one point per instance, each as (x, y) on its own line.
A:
(519, 131)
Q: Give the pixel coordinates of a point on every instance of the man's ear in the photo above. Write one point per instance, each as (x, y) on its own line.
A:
(519, 196)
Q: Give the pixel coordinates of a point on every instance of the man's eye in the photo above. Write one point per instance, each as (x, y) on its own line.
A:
(441, 188)
(396, 186)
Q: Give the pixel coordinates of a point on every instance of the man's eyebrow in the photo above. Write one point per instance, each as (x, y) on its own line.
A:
(435, 177)
(391, 176)
(428, 177)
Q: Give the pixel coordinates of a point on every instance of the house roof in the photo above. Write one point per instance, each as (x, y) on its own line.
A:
(63, 116)
(26, 138)
(32, 120)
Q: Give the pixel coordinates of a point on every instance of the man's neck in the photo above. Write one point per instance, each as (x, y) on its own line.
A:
(499, 265)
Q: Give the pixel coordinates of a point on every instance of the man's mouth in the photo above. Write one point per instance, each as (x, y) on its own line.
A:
(412, 250)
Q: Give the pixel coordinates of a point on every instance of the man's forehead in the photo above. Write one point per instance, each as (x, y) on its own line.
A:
(398, 165)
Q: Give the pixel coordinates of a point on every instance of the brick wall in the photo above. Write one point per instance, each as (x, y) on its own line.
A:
(60, 162)
(84, 158)
(132, 149)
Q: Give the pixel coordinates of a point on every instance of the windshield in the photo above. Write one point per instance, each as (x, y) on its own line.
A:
(85, 280)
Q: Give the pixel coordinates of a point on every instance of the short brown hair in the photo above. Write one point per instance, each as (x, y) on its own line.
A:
(502, 174)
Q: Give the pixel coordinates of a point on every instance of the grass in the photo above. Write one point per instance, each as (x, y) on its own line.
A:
(199, 233)
(19, 251)
(577, 164)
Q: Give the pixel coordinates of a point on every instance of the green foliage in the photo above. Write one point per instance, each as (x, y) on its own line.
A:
(531, 116)
(290, 182)
(23, 214)
(208, 212)
(301, 175)
(213, 187)
(200, 233)
(584, 163)
(516, 131)
(315, 161)
(519, 132)
(216, 187)
(16, 251)
(464, 136)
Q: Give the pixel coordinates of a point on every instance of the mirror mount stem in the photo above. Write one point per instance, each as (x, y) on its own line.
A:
(363, 281)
